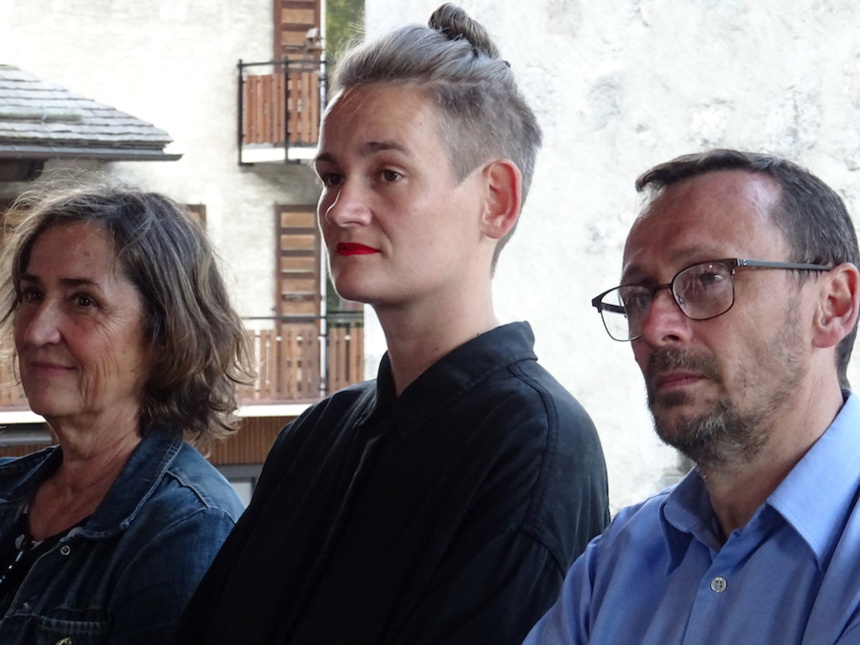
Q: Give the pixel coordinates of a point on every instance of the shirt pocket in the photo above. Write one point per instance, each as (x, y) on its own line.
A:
(50, 631)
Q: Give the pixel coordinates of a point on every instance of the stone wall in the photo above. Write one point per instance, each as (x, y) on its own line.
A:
(618, 87)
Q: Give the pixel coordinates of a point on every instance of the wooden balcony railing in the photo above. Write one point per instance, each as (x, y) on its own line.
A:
(288, 362)
(11, 395)
(280, 109)
(288, 365)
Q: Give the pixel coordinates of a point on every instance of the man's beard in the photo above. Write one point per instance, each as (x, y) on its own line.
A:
(724, 433)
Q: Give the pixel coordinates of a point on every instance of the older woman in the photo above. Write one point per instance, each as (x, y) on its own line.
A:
(127, 345)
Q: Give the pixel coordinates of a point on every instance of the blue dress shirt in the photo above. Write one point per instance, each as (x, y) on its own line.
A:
(658, 574)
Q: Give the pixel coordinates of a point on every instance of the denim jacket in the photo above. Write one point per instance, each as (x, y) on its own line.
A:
(124, 576)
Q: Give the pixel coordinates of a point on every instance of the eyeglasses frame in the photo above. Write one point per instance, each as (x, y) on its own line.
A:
(733, 263)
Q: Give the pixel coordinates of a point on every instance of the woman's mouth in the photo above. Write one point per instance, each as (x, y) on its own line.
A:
(353, 248)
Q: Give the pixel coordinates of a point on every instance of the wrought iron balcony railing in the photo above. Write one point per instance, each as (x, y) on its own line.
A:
(280, 106)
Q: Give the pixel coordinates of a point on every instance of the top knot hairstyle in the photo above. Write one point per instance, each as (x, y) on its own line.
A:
(453, 23)
(454, 61)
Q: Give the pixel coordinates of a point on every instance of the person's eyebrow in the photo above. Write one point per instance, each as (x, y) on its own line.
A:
(373, 147)
(66, 282)
(368, 149)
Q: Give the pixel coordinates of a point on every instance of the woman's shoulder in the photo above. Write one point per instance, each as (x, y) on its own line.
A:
(193, 483)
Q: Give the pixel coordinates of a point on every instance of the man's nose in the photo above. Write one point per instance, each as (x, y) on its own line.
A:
(664, 322)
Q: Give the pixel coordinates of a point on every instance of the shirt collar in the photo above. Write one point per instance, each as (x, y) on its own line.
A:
(686, 513)
(135, 484)
(454, 374)
(813, 498)
(818, 492)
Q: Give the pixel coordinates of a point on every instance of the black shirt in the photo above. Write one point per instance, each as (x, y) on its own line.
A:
(449, 514)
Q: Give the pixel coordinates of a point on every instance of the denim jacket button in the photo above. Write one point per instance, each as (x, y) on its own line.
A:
(65, 549)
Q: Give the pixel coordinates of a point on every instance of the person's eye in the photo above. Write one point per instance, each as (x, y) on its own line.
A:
(709, 278)
(635, 301)
(84, 300)
(390, 176)
(330, 179)
(31, 294)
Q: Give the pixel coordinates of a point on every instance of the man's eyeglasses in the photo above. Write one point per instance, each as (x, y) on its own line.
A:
(703, 291)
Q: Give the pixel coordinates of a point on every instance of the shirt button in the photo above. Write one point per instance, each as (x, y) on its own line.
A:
(718, 585)
(66, 550)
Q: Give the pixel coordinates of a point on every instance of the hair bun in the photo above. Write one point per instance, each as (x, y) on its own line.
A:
(455, 24)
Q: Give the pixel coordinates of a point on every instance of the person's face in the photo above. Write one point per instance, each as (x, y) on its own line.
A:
(399, 227)
(715, 386)
(79, 328)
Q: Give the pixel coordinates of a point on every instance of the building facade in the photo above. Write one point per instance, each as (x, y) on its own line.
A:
(238, 88)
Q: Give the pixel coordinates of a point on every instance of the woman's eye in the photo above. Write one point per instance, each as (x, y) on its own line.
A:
(83, 300)
(330, 179)
(31, 294)
(391, 176)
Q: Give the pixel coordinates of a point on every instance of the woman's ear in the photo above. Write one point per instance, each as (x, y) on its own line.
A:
(504, 186)
(838, 305)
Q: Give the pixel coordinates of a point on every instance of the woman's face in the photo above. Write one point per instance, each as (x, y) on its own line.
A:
(401, 228)
(79, 334)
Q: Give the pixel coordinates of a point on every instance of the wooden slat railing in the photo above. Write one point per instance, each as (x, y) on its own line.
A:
(11, 394)
(282, 107)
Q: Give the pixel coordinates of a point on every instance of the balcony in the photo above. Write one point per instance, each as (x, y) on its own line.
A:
(280, 104)
(300, 362)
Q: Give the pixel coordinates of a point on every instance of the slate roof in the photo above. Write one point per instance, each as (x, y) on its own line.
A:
(41, 120)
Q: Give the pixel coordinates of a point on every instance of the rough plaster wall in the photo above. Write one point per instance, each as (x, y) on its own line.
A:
(173, 64)
(618, 87)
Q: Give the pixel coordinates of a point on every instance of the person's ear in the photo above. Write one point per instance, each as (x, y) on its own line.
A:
(504, 185)
(838, 305)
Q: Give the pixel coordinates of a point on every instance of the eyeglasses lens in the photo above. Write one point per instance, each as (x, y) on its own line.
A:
(702, 291)
(705, 290)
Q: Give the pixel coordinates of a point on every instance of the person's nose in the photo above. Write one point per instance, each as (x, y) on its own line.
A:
(346, 205)
(665, 322)
(38, 324)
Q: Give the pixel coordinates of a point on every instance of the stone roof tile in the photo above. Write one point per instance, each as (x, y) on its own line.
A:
(34, 112)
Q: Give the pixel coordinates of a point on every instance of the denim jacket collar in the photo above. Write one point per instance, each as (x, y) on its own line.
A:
(136, 481)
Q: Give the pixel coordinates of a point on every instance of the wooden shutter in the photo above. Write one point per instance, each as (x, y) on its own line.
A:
(299, 291)
(293, 20)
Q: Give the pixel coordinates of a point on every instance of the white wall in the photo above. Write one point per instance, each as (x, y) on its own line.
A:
(619, 86)
(173, 63)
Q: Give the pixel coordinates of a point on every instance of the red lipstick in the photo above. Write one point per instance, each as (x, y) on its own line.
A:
(352, 248)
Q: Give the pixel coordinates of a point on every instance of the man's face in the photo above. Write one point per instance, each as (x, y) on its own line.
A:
(716, 387)
(400, 228)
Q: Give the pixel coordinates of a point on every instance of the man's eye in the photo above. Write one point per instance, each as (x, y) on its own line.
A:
(709, 278)
(637, 301)
(83, 300)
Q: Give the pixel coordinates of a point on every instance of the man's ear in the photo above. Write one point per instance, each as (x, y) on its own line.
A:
(838, 305)
(504, 187)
